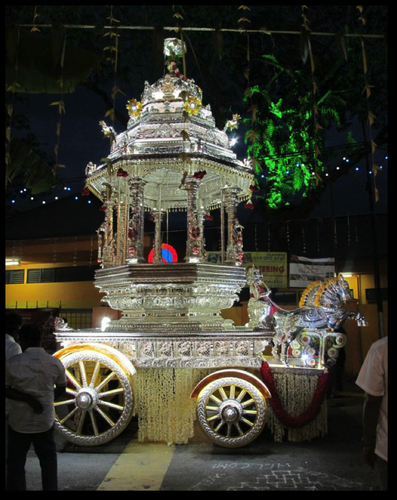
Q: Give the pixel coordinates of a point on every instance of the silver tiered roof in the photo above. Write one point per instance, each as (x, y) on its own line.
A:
(171, 156)
(170, 137)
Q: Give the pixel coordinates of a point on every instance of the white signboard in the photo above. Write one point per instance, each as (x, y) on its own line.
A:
(302, 271)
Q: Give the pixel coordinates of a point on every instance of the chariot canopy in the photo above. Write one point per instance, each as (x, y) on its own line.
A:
(171, 157)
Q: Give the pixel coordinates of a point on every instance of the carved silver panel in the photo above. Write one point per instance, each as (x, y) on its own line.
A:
(207, 350)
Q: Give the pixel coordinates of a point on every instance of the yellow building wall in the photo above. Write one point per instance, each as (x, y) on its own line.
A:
(68, 295)
(360, 282)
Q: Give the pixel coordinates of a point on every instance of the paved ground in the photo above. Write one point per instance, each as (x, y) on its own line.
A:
(332, 463)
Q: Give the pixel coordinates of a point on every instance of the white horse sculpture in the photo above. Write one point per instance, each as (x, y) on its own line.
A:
(319, 308)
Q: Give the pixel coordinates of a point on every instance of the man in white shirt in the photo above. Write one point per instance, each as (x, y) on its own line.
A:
(373, 379)
(30, 380)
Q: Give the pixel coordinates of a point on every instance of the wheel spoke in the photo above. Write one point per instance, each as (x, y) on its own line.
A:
(223, 394)
(66, 402)
(250, 412)
(93, 421)
(247, 403)
(105, 381)
(221, 424)
(241, 395)
(217, 400)
(69, 415)
(214, 417)
(248, 422)
(106, 417)
(81, 422)
(110, 393)
(239, 430)
(111, 405)
(73, 379)
(95, 374)
(70, 391)
(232, 392)
(83, 373)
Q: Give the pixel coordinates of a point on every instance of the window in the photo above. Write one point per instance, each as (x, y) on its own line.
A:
(15, 277)
(41, 275)
(61, 274)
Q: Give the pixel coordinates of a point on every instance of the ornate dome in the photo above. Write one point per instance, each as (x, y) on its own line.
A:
(171, 135)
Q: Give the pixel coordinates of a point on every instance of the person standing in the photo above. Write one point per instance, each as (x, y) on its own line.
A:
(30, 380)
(13, 324)
(373, 379)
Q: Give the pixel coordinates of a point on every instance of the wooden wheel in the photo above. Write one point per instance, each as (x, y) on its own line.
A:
(99, 401)
(231, 411)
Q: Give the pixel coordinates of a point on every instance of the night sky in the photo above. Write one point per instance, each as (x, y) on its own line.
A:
(82, 140)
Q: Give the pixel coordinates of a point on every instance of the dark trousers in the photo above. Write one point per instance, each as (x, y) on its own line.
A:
(17, 449)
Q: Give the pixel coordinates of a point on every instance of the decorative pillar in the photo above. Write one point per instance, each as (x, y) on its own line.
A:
(201, 218)
(194, 244)
(234, 250)
(222, 210)
(135, 232)
(122, 223)
(157, 236)
(107, 255)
